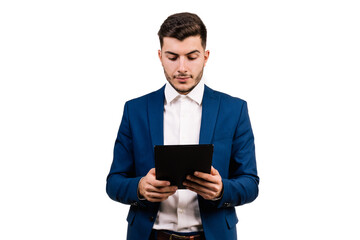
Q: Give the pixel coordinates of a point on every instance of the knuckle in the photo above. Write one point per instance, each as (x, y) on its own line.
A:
(213, 189)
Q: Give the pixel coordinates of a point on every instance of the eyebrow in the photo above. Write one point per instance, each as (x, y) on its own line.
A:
(195, 51)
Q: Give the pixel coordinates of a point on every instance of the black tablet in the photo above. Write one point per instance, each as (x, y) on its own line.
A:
(174, 162)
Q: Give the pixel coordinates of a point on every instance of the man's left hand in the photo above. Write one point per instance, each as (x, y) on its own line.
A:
(209, 186)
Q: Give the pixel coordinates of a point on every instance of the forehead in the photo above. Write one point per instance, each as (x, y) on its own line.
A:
(185, 46)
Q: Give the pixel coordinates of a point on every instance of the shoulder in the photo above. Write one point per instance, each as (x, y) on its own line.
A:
(224, 97)
(142, 100)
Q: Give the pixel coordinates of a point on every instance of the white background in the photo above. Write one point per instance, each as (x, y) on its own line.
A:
(67, 67)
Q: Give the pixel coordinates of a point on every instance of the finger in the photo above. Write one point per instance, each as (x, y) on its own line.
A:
(205, 176)
(159, 183)
(151, 188)
(202, 191)
(202, 185)
(196, 186)
(170, 189)
(151, 179)
(157, 197)
(196, 190)
(201, 181)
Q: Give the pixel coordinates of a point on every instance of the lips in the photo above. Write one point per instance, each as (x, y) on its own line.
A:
(182, 79)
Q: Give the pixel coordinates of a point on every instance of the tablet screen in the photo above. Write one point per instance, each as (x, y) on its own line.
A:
(174, 162)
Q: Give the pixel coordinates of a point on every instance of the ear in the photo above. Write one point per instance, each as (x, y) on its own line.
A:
(206, 56)
(159, 54)
(160, 57)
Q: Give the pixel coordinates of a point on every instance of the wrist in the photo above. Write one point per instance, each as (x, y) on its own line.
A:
(139, 195)
(221, 193)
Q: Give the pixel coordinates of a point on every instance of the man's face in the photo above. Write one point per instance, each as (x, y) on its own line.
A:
(183, 62)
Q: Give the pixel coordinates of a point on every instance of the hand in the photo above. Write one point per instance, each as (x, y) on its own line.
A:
(209, 186)
(154, 190)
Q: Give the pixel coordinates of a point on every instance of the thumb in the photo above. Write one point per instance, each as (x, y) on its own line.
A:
(214, 171)
(152, 171)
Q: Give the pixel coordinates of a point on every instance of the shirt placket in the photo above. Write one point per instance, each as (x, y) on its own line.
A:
(183, 140)
(185, 120)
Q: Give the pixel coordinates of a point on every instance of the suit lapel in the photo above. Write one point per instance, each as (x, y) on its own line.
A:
(156, 116)
(210, 108)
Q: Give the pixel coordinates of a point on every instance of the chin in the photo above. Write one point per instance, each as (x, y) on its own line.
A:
(185, 90)
(183, 87)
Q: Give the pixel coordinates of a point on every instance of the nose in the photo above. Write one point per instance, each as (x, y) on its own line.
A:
(182, 65)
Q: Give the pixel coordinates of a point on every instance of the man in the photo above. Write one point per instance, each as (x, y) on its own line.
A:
(184, 111)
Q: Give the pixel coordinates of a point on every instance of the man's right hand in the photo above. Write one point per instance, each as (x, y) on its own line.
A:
(154, 190)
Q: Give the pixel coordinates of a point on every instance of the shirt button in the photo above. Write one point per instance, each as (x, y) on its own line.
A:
(181, 211)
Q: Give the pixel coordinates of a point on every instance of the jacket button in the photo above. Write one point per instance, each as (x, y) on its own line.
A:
(227, 204)
(151, 219)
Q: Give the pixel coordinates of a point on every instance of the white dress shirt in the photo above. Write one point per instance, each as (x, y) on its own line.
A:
(182, 121)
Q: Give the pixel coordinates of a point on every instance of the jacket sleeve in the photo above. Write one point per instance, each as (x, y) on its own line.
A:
(121, 183)
(241, 186)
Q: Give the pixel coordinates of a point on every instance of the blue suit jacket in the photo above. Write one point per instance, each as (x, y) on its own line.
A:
(225, 123)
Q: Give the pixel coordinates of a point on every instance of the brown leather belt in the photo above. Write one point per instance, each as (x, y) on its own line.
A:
(162, 235)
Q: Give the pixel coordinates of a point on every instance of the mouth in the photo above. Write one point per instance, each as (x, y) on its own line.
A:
(182, 79)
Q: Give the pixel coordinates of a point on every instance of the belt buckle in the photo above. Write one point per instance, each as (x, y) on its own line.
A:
(181, 237)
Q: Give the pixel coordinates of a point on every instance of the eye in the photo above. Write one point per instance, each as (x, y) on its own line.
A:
(192, 57)
(172, 57)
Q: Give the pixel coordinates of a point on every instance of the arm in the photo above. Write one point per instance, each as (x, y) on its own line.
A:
(121, 182)
(242, 185)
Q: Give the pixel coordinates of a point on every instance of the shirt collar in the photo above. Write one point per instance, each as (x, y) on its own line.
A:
(196, 94)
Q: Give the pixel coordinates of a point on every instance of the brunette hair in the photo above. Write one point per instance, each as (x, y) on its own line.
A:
(181, 26)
